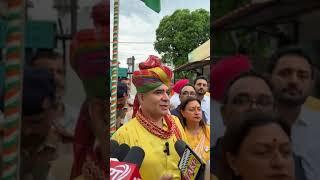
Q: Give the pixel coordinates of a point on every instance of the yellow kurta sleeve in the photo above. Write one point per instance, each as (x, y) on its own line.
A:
(178, 123)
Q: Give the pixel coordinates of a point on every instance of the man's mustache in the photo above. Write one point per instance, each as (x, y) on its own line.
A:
(290, 89)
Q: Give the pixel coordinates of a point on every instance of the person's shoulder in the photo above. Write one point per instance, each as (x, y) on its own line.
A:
(174, 112)
(312, 103)
(126, 129)
(176, 119)
(206, 99)
(207, 128)
(310, 115)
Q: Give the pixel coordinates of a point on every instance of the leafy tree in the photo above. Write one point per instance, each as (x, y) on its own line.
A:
(180, 33)
(246, 41)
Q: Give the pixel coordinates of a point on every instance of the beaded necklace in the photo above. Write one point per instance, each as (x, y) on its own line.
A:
(157, 131)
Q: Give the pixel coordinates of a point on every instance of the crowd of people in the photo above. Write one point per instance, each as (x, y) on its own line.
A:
(162, 115)
(242, 123)
(264, 124)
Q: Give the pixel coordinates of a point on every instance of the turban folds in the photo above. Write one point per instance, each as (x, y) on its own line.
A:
(179, 85)
(152, 74)
(88, 58)
(225, 71)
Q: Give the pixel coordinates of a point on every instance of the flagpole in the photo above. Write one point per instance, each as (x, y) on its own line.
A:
(114, 69)
(13, 89)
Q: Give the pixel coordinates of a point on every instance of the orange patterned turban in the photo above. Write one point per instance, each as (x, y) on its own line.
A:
(151, 75)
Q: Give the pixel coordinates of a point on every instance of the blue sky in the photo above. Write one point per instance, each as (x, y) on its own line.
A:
(138, 23)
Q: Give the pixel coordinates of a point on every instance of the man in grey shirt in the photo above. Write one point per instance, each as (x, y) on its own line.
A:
(292, 76)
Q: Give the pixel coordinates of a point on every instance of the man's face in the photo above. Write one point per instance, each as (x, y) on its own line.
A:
(245, 95)
(126, 82)
(156, 102)
(56, 68)
(121, 102)
(292, 80)
(201, 86)
(186, 92)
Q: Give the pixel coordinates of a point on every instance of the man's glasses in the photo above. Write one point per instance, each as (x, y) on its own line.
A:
(186, 93)
(261, 101)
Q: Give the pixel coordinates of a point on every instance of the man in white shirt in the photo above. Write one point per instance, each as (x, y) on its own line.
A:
(53, 62)
(201, 86)
(292, 76)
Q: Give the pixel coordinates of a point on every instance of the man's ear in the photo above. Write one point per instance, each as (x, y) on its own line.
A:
(140, 97)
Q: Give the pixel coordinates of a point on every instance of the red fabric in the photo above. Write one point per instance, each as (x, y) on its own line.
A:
(83, 142)
(154, 61)
(88, 50)
(151, 62)
(179, 85)
(83, 145)
(135, 106)
(100, 13)
(88, 53)
(224, 71)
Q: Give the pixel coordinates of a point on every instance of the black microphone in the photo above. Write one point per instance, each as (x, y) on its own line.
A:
(121, 152)
(113, 146)
(180, 146)
(190, 165)
(166, 150)
(135, 156)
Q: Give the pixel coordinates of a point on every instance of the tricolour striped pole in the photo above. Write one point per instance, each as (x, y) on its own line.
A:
(114, 69)
(13, 88)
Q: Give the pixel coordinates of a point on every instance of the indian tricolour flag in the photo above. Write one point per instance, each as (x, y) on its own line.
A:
(153, 4)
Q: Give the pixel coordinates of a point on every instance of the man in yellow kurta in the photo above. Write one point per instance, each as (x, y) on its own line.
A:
(152, 128)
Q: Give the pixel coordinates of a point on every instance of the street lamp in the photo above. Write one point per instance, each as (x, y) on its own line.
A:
(130, 62)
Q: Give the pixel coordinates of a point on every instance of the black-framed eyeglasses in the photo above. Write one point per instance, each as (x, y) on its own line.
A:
(261, 101)
(186, 93)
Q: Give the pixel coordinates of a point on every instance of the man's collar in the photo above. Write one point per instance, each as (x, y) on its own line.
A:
(204, 99)
(165, 126)
(301, 119)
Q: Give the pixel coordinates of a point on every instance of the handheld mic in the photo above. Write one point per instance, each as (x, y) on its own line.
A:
(135, 156)
(121, 152)
(190, 165)
(113, 146)
(129, 168)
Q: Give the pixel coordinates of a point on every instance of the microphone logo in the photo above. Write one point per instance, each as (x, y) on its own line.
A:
(120, 172)
(189, 165)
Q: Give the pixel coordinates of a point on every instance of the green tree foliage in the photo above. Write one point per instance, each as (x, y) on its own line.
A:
(223, 42)
(180, 33)
(247, 41)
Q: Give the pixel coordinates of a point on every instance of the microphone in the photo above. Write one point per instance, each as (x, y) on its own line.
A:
(166, 150)
(113, 146)
(135, 156)
(190, 165)
(121, 152)
(129, 168)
